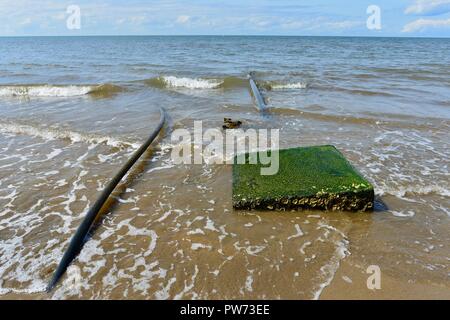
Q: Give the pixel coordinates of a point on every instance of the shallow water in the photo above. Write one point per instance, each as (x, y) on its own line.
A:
(73, 109)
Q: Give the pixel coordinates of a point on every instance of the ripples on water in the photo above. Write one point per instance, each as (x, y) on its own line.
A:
(73, 110)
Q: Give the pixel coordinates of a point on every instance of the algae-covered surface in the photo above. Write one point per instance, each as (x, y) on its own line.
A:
(316, 177)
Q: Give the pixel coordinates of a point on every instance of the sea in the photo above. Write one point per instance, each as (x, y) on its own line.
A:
(73, 110)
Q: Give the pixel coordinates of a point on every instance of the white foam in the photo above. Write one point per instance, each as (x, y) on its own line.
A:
(54, 153)
(328, 271)
(163, 294)
(188, 288)
(32, 290)
(303, 247)
(210, 225)
(44, 91)
(295, 85)
(249, 282)
(54, 133)
(190, 83)
(251, 250)
(403, 214)
(198, 246)
(160, 168)
(195, 232)
(298, 234)
(402, 192)
(347, 279)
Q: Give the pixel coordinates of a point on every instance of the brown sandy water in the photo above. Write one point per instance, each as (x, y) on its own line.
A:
(170, 231)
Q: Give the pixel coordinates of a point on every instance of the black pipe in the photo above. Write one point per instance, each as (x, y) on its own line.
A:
(77, 242)
(259, 99)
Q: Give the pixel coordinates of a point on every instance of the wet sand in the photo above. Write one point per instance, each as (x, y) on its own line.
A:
(350, 283)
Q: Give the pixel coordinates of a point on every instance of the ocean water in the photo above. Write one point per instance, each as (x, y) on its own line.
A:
(73, 109)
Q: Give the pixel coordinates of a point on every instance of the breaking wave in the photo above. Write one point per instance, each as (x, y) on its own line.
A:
(47, 90)
(231, 82)
(285, 86)
(58, 133)
(189, 83)
(415, 190)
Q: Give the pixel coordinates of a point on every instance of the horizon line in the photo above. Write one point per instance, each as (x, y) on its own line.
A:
(220, 35)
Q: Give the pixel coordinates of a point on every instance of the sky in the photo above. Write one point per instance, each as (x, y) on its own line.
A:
(394, 18)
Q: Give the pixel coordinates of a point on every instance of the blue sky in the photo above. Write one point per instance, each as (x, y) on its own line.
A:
(226, 17)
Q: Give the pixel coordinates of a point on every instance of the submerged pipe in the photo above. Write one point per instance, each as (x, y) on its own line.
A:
(77, 241)
(258, 97)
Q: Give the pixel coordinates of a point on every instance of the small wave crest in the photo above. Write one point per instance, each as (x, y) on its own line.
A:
(415, 190)
(56, 133)
(33, 290)
(285, 86)
(231, 82)
(163, 82)
(58, 90)
(189, 83)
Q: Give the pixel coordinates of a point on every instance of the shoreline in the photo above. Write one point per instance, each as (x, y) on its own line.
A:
(340, 288)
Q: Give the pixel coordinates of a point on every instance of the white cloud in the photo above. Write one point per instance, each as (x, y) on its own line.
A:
(293, 24)
(343, 25)
(201, 17)
(26, 22)
(422, 24)
(183, 19)
(260, 22)
(139, 19)
(429, 7)
(321, 23)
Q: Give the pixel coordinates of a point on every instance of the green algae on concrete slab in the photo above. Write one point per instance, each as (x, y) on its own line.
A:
(308, 178)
